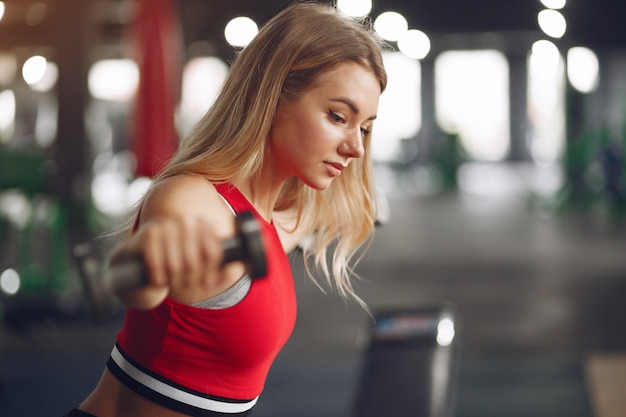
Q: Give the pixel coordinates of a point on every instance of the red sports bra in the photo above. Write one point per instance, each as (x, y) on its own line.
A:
(205, 361)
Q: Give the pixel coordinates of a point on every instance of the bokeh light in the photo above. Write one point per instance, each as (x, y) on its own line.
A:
(546, 102)
(39, 73)
(414, 44)
(113, 79)
(472, 101)
(554, 4)
(391, 25)
(203, 78)
(355, 8)
(583, 69)
(445, 332)
(240, 31)
(399, 110)
(552, 23)
(7, 114)
(34, 69)
(10, 281)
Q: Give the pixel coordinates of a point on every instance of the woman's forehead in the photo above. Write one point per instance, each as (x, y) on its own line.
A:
(350, 80)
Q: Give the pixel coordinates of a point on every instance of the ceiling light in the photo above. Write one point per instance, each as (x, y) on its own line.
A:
(355, 8)
(552, 23)
(391, 25)
(240, 31)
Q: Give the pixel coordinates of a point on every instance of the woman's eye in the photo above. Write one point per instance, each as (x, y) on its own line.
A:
(335, 117)
(365, 131)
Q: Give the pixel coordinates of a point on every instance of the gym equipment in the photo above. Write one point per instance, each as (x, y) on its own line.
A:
(34, 237)
(101, 285)
(410, 366)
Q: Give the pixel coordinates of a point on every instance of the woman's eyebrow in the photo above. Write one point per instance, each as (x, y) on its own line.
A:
(348, 102)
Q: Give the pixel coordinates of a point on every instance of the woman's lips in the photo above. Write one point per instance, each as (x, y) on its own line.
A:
(334, 168)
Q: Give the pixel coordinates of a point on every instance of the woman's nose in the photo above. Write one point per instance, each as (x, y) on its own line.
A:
(353, 145)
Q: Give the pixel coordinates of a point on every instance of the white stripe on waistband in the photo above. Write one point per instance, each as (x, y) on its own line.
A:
(176, 393)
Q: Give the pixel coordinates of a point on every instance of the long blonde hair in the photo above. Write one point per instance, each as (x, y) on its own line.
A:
(229, 143)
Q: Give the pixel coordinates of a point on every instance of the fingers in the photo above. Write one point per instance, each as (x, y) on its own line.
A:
(179, 253)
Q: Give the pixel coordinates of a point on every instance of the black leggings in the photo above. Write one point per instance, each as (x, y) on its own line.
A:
(78, 413)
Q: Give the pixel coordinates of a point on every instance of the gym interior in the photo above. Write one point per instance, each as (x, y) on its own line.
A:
(496, 277)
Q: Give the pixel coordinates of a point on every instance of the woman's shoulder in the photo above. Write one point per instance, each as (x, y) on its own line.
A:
(184, 195)
(182, 187)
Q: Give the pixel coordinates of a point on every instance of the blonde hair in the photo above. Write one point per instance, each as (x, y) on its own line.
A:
(229, 143)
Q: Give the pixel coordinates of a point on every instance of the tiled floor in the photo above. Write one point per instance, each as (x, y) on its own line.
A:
(535, 296)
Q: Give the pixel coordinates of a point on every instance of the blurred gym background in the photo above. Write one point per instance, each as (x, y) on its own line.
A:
(500, 159)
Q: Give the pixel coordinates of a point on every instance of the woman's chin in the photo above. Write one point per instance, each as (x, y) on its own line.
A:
(319, 185)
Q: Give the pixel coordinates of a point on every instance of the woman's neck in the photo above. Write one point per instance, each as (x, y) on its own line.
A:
(263, 193)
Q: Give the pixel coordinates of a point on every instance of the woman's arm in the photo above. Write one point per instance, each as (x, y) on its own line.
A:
(182, 223)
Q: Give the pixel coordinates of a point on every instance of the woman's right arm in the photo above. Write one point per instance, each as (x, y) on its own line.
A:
(178, 239)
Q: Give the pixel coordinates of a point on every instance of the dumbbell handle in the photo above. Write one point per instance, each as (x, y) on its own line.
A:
(131, 275)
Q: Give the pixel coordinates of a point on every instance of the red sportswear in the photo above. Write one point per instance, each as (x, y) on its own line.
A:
(204, 362)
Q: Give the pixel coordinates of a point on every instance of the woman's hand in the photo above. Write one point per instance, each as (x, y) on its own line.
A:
(180, 255)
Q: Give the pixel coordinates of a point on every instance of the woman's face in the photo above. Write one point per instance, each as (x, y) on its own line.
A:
(316, 137)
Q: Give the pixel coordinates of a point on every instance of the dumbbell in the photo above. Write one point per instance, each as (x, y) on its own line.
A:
(100, 285)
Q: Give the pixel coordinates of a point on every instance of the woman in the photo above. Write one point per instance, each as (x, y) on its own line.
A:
(288, 139)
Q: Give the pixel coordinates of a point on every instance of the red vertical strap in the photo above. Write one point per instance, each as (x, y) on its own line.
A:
(157, 42)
